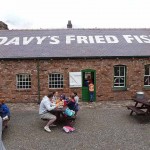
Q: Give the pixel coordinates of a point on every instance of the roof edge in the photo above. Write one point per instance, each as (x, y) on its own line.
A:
(53, 58)
(77, 29)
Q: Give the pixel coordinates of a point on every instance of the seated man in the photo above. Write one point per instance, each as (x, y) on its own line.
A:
(46, 106)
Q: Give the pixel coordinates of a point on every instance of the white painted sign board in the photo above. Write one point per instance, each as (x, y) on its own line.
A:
(75, 79)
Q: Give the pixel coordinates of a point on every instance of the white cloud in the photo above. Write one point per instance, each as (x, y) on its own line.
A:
(83, 13)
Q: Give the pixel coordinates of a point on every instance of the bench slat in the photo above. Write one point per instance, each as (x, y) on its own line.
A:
(71, 118)
(136, 110)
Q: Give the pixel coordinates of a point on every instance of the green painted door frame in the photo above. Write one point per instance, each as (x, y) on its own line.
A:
(85, 90)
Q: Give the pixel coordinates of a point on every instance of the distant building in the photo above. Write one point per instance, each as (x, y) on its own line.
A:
(35, 62)
(3, 26)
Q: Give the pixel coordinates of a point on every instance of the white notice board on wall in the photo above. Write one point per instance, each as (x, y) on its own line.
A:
(75, 79)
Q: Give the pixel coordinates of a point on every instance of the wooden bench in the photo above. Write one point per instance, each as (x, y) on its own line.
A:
(71, 118)
(67, 118)
(70, 121)
(137, 110)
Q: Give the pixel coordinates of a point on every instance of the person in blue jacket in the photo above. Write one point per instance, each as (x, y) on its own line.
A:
(4, 112)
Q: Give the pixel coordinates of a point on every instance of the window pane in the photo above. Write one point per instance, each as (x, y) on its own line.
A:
(119, 76)
(121, 71)
(147, 75)
(147, 72)
(116, 80)
(23, 81)
(122, 80)
(55, 80)
(20, 78)
(116, 71)
(116, 84)
(147, 80)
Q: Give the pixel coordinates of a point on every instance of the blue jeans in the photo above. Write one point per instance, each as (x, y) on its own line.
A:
(91, 96)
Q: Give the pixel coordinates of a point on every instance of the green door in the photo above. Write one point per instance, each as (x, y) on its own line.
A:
(87, 76)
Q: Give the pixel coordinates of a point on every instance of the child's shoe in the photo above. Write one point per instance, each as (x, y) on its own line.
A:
(66, 129)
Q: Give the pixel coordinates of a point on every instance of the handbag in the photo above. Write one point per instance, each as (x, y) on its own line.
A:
(69, 112)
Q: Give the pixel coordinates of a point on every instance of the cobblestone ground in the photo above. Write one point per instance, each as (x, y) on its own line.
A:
(99, 126)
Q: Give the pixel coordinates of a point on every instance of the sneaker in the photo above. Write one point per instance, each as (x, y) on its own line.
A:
(5, 118)
(46, 128)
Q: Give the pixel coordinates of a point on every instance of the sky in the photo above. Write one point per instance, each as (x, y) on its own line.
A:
(49, 14)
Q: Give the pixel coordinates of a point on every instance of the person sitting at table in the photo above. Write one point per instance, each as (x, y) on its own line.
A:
(58, 99)
(46, 106)
(64, 99)
(71, 103)
(76, 97)
(4, 112)
(55, 96)
(70, 110)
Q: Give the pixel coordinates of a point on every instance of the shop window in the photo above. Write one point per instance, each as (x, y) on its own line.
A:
(55, 80)
(119, 76)
(147, 76)
(23, 81)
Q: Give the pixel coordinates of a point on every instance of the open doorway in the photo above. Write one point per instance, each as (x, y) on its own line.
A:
(88, 76)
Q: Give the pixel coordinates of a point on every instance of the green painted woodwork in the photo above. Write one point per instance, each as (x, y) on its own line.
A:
(85, 88)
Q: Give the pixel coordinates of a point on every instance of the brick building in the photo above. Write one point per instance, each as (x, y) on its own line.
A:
(34, 62)
(3, 26)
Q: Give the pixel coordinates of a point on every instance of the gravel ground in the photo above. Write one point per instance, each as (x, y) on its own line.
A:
(99, 126)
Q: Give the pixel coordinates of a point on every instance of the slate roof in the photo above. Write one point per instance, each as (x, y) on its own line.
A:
(8, 50)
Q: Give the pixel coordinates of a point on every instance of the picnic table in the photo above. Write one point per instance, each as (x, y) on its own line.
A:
(59, 109)
(141, 107)
(60, 112)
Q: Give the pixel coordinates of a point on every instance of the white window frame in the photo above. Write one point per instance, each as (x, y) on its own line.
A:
(23, 84)
(58, 79)
(148, 76)
(120, 76)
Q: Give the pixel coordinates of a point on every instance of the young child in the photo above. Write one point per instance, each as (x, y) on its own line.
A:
(76, 97)
(64, 99)
(71, 103)
(91, 91)
(4, 112)
(55, 97)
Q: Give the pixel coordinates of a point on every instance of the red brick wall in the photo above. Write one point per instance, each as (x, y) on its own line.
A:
(104, 77)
